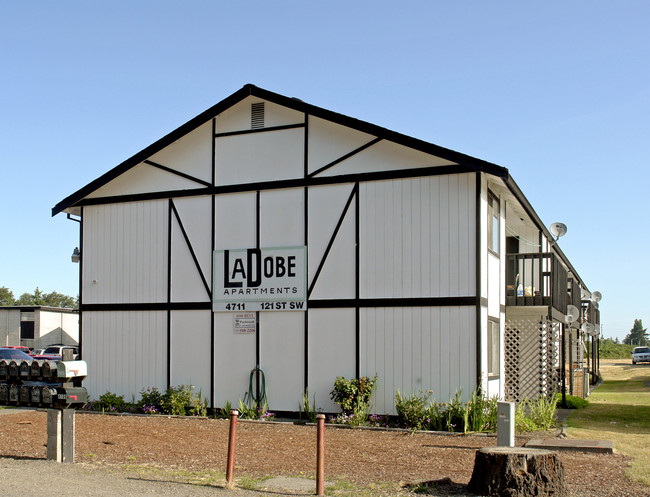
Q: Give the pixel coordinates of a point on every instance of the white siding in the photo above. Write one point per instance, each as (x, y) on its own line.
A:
(238, 117)
(126, 352)
(417, 237)
(329, 141)
(282, 218)
(282, 358)
(144, 178)
(234, 358)
(418, 349)
(385, 156)
(337, 277)
(191, 154)
(235, 224)
(124, 251)
(256, 157)
(56, 327)
(9, 327)
(190, 346)
(194, 214)
(332, 348)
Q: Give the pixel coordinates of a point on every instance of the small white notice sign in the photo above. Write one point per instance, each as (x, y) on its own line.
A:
(244, 323)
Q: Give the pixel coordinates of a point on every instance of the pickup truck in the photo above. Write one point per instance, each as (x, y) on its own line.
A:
(640, 354)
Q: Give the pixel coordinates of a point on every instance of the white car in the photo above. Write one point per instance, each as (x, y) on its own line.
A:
(640, 354)
(58, 350)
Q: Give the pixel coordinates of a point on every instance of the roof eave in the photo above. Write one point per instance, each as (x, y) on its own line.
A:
(292, 103)
(519, 195)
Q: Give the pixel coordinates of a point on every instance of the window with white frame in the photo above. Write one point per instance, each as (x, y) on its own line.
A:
(493, 223)
(494, 338)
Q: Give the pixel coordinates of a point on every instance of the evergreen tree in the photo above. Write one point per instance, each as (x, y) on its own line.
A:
(637, 335)
(53, 299)
(6, 296)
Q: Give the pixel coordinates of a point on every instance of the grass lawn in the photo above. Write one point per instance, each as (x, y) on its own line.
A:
(619, 410)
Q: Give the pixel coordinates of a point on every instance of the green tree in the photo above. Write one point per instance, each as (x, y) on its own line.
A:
(53, 299)
(6, 296)
(637, 335)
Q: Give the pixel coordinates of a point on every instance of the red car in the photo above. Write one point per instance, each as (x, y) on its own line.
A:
(17, 347)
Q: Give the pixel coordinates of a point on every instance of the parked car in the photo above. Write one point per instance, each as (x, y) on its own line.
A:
(640, 354)
(13, 353)
(57, 349)
(36, 351)
(17, 347)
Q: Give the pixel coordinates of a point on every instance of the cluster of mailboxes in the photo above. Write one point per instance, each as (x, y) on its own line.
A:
(42, 383)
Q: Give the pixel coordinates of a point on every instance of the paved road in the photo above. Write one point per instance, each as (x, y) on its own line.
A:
(38, 478)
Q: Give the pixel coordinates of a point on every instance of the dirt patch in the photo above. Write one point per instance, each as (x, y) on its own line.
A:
(274, 449)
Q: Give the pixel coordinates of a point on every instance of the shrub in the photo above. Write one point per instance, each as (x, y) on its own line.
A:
(182, 402)
(481, 413)
(412, 411)
(111, 402)
(254, 412)
(353, 396)
(455, 414)
(533, 415)
(150, 401)
(307, 408)
(572, 402)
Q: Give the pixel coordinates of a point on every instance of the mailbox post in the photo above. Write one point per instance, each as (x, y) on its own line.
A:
(54, 385)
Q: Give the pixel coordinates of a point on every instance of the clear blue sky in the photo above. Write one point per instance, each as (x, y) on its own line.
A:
(557, 92)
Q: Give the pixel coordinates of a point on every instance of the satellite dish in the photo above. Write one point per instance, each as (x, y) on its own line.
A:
(584, 294)
(587, 328)
(596, 296)
(596, 330)
(572, 314)
(558, 230)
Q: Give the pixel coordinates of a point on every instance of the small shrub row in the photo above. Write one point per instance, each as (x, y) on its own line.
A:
(417, 412)
(180, 400)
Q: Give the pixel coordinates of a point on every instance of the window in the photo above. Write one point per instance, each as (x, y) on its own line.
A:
(27, 330)
(494, 338)
(493, 223)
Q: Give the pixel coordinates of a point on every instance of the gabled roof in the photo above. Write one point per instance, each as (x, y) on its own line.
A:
(467, 161)
(292, 103)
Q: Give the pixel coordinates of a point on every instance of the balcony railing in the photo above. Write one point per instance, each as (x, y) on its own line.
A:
(536, 279)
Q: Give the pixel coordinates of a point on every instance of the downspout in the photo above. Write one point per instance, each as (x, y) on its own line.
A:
(81, 261)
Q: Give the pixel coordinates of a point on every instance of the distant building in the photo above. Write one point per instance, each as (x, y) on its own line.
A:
(36, 326)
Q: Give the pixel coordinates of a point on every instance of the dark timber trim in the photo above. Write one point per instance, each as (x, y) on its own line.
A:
(259, 130)
(472, 163)
(289, 183)
(81, 265)
(357, 284)
(191, 249)
(392, 302)
(258, 235)
(346, 156)
(148, 306)
(332, 239)
(313, 304)
(213, 202)
(177, 173)
(479, 345)
(306, 242)
(170, 206)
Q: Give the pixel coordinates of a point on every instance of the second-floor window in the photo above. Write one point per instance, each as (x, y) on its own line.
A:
(493, 223)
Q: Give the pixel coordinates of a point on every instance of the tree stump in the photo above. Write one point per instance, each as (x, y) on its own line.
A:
(517, 472)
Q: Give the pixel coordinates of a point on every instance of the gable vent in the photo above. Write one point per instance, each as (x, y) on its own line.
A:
(257, 115)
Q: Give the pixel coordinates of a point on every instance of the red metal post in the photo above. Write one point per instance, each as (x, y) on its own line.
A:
(320, 454)
(232, 438)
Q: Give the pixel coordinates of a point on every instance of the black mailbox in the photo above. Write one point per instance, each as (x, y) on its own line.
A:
(14, 394)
